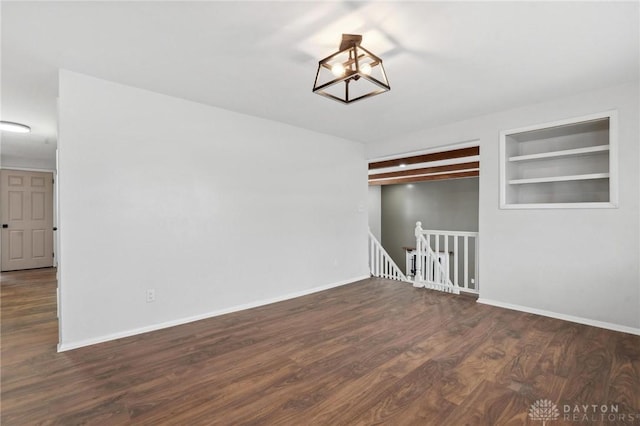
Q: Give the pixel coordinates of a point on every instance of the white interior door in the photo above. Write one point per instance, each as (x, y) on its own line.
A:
(26, 213)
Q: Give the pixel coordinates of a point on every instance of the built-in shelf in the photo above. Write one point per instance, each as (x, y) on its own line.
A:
(559, 178)
(565, 164)
(563, 153)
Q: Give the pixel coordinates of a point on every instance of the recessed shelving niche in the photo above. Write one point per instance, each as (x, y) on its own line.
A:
(565, 164)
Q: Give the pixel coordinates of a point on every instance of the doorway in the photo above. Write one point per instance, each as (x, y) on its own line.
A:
(26, 214)
(440, 189)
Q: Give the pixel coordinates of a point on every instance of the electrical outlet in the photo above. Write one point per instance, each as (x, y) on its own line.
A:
(473, 280)
(151, 295)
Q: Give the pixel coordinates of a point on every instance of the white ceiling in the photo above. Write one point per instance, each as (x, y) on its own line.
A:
(446, 61)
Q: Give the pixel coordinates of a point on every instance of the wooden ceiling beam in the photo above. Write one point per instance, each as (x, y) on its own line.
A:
(425, 158)
(413, 179)
(427, 170)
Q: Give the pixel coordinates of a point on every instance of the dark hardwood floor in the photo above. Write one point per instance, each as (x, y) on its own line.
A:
(373, 352)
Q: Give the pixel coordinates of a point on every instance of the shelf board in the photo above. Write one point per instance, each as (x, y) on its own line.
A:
(563, 153)
(576, 205)
(559, 178)
(587, 124)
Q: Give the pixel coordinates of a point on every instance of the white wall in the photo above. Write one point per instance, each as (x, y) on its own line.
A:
(214, 209)
(8, 161)
(375, 211)
(581, 264)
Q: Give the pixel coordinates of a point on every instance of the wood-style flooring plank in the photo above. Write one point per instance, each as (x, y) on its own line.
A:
(372, 352)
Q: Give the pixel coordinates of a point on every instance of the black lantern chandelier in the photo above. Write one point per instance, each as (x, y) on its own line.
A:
(351, 74)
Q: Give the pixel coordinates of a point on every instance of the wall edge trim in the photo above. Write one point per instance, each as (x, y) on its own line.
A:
(564, 317)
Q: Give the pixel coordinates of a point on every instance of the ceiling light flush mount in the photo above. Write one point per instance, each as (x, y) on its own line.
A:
(10, 126)
(351, 74)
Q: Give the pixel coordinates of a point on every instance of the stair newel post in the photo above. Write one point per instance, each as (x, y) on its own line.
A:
(418, 279)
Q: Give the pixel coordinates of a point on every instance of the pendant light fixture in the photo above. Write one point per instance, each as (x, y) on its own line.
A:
(351, 74)
(10, 126)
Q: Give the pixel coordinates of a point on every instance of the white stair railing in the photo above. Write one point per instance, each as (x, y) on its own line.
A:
(431, 271)
(446, 260)
(380, 263)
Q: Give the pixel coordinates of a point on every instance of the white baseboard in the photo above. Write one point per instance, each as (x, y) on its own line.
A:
(579, 320)
(62, 347)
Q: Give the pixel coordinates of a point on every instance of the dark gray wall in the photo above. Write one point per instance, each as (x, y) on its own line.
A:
(450, 205)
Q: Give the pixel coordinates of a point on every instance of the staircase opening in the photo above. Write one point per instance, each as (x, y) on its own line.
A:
(439, 189)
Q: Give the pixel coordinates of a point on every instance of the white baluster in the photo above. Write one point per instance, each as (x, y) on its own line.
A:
(378, 254)
(446, 262)
(475, 287)
(407, 263)
(437, 276)
(385, 268)
(375, 258)
(466, 261)
(371, 256)
(418, 279)
(455, 260)
(428, 259)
